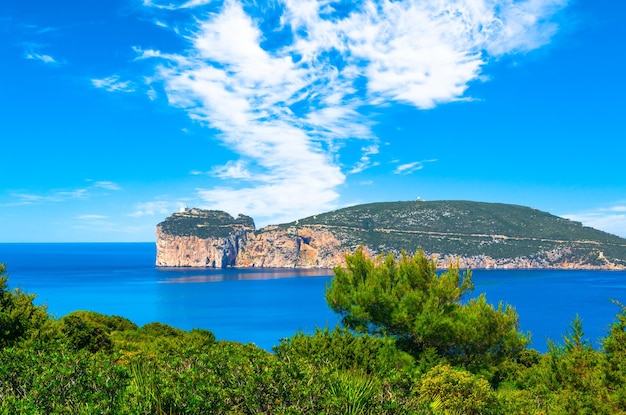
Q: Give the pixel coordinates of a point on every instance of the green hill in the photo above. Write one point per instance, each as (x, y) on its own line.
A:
(204, 223)
(464, 228)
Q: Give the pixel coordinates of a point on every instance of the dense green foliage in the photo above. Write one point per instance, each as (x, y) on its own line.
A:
(89, 363)
(205, 223)
(20, 319)
(462, 217)
(409, 300)
(466, 228)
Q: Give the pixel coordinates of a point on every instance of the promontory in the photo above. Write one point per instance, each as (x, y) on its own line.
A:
(478, 235)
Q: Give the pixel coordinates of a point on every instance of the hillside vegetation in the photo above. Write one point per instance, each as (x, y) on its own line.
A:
(482, 235)
(205, 223)
(463, 228)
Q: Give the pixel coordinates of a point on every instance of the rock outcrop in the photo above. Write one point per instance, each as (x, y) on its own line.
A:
(215, 239)
(191, 251)
(298, 247)
(199, 238)
(274, 247)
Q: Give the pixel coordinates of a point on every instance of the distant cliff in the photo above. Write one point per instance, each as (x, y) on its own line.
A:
(204, 238)
(477, 235)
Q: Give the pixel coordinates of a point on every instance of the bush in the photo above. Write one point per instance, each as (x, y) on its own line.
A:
(344, 350)
(20, 318)
(455, 391)
(83, 334)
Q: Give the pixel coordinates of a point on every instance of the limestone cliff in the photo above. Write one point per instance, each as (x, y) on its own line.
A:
(301, 247)
(198, 238)
(191, 251)
(476, 235)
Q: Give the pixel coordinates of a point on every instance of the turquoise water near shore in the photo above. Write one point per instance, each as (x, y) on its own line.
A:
(264, 305)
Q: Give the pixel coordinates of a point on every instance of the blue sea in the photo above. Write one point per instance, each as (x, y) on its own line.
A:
(264, 305)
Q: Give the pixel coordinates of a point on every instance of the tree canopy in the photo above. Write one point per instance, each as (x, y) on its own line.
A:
(407, 298)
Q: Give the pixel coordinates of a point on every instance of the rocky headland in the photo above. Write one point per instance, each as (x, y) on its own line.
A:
(476, 235)
(244, 246)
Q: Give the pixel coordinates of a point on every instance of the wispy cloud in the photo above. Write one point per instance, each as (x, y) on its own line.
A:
(232, 170)
(91, 217)
(40, 57)
(107, 185)
(365, 162)
(114, 84)
(286, 96)
(195, 3)
(33, 40)
(159, 207)
(32, 53)
(609, 219)
(53, 196)
(60, 195)
(189, 4)
(408, 168)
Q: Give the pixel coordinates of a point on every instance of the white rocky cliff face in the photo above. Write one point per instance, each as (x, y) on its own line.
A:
(198, 238)
(192, 251)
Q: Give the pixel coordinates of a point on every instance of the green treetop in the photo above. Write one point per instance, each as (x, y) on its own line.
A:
(423, 310)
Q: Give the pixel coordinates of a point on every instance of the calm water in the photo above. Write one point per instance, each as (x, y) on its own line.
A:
(262, 306)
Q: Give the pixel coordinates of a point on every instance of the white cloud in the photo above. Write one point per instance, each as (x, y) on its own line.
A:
(113, 84)
(232, 170)
(365, 162)
(53, 196)
(285, 109)
(25, 199)
(408, 168)
(523, 26)
(152, 94)
(272, 203)
(195, 3)
(611, 219)
(41, 57)
(107, 185)
(62, 195)
(189, 4)
(414, 166)
(90, 217)
(159, 207)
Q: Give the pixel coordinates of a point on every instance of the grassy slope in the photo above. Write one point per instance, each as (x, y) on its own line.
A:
(463, 228)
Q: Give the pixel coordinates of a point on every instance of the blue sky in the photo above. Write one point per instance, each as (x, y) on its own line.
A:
(117, 113)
